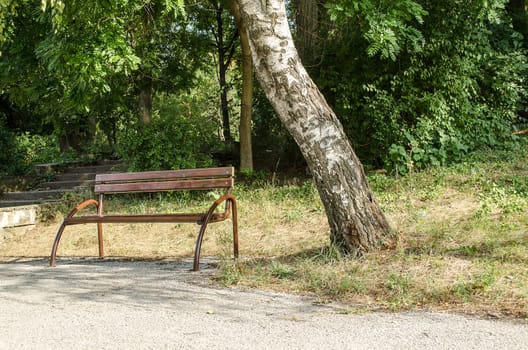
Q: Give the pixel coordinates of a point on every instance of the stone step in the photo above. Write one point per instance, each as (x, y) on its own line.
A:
(17, 183)
(97, 169)
(35, 195)
(74, 177)
(67, 184)
(23, 203)
(16, 207)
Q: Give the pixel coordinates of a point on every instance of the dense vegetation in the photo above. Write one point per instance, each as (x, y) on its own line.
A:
(414, 83)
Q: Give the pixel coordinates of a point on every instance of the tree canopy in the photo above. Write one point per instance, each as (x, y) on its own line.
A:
(413, 82)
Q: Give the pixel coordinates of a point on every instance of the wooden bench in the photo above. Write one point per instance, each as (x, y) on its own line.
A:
(155, 181)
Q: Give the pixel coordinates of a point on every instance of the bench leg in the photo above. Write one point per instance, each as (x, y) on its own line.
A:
(196, 264)
(100, 226)
(235, 227)
(56, 244)
(100, 239)
(197, 249)
(65, 223)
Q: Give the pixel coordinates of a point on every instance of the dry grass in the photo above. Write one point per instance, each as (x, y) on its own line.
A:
(460, 241)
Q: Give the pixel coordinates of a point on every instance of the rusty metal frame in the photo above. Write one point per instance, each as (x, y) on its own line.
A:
(202, 219)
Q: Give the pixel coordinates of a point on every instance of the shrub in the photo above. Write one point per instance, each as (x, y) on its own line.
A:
(11, 161)
(168, 142)
(40, 148)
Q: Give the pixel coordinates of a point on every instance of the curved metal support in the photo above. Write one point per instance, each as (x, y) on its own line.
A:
(100, 227)
(228, 198)
(65, 223)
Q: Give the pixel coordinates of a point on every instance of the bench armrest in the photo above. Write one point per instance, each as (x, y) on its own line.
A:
(82, 206)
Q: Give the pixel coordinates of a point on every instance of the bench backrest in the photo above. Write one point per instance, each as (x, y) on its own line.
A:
(165, 180)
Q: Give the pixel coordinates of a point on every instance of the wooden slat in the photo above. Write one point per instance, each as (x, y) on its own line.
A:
(144, 218)
(166, 175)
(195, 184)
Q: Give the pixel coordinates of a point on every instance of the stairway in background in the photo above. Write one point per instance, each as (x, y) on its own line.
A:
(19, 208)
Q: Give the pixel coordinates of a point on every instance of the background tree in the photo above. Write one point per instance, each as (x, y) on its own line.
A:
(225, 50)
(307, 30)
(246, 103)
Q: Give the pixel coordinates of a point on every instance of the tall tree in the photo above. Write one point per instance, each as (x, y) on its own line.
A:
(225, 51)
(355, 218)
(246, 150)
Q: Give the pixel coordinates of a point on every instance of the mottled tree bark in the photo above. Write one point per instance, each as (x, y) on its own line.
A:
(355, 219)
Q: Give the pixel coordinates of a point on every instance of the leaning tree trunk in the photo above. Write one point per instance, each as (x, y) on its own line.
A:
(354, 216)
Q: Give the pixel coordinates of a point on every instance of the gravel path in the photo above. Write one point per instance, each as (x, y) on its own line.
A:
(112, 304)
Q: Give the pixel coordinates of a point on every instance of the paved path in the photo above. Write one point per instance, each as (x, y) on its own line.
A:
(93, 304)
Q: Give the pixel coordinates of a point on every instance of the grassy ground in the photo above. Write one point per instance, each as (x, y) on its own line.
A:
(460, 240)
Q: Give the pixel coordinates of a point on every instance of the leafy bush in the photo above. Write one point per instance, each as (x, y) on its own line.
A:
(11, 161)
(442, 105)
(170, 141)
(41, 149)
(25, 149)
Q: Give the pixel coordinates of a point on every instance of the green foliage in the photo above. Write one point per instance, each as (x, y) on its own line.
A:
(11, 161)
(456, 88)
(8, 8)
(26, 149)
(415, 83)
(83, 51)
(24, 86)
(173, 140)
(77, 68)
(137, 43)
(387, 25)
(41, 149)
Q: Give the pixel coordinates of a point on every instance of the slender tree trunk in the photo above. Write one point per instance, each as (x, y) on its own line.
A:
(354, 216)
(307, 25)
(145, 104)
(222, 70)
(246, 150)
